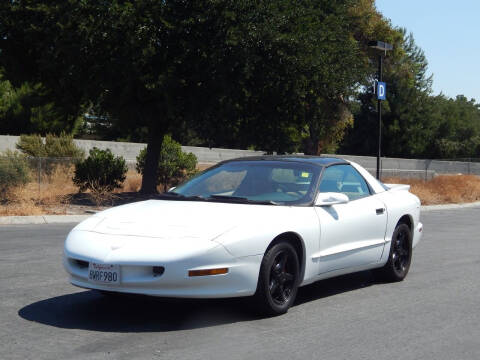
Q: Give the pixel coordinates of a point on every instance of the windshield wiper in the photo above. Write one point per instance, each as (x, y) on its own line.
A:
(170, 193)
(241, 200)
(194, 197)
(219, 198)
(177, 196)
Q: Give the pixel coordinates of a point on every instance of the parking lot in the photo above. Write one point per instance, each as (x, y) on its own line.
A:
(433, 314)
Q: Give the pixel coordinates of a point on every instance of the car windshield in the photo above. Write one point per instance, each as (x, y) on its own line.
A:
(274, 182)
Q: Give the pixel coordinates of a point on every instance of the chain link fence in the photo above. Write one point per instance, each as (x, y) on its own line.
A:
(424, 169)
(474, 160)
(44, 178)
(48, 182)
(35, 178)
(56, 172)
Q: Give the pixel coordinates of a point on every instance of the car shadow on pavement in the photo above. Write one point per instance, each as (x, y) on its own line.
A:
(90, 310)
(337, 285)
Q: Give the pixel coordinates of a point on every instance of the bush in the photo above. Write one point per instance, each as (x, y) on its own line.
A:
(101, 172)
(14, 171)
(174, 165)
(63, 146)
(32, 145)
(54, 146)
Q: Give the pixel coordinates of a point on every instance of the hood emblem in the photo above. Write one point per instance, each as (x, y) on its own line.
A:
(115, 247)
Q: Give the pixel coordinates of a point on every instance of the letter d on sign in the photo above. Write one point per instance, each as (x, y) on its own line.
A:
(381, 91)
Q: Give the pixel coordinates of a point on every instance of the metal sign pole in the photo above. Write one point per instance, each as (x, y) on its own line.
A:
(379, 112)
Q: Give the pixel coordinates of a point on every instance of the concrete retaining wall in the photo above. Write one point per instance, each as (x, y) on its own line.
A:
(130, 150)
(390, 166)
(7, 142)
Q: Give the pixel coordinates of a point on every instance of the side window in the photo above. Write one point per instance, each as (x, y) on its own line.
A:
(344, 179)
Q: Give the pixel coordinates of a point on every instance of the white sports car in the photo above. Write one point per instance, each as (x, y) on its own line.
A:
(259, 226)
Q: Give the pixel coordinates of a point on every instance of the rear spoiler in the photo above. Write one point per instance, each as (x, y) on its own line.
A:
(397, 187)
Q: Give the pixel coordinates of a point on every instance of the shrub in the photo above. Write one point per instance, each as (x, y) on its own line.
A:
(32, 145)
(101, 172)
(62, 146)
(14, 171)
(174, 165)
(54, 146)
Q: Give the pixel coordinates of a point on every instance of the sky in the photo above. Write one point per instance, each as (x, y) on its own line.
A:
(449, 34)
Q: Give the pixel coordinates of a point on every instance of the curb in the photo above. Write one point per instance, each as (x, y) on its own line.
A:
(42, 219)
(65, 219)
(450, 206)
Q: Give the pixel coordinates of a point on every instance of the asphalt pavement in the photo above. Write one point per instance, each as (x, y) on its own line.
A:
(433, 314)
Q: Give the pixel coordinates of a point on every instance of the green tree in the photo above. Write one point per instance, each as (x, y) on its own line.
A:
(138, 60)
(406, 114)
(27, 109)
(174, 165)
(246, 73)
(301, 63)
(415, 123)
(457, 128)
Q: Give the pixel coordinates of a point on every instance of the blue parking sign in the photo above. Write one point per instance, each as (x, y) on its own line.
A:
(381, 91)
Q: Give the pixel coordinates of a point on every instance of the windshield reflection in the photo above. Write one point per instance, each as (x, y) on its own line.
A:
(268, 182)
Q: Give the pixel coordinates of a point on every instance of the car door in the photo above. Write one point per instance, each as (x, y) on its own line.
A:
(351, 234)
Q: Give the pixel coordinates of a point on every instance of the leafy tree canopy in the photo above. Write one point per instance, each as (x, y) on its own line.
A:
(414, 123)
(276, 75)
(272, 70)
(27, 109)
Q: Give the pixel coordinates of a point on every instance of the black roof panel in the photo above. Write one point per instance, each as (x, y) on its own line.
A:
(317, 160)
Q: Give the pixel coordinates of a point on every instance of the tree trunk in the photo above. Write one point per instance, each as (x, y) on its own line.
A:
(309, 147)
(149, 178)
(311, 144)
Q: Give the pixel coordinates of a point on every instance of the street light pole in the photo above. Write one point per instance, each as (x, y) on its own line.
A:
(383, 47)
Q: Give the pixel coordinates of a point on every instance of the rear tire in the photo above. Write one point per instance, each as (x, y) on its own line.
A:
(278, 280)
(400, 256)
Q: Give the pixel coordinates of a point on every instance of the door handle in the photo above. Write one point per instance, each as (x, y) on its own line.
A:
(380, 211)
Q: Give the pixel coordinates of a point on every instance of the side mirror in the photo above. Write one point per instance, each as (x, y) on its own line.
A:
(172, 188)
(331, 198)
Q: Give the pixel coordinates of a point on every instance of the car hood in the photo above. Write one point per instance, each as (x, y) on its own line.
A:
(175, 220)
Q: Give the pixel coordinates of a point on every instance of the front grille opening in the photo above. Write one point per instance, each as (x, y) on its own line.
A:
(158, 270)
(80, 263)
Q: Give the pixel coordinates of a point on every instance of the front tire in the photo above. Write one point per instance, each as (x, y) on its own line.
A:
(278, 280)
(400, 257)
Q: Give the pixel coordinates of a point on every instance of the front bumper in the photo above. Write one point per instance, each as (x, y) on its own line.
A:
(136, 262)
(417, 234)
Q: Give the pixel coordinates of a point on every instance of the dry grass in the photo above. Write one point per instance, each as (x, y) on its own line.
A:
(51, 196)
(132, 183)
(204, 166)
(443, 189)
(22, 208)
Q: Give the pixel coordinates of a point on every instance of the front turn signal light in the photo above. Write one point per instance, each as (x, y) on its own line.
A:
(206, 272)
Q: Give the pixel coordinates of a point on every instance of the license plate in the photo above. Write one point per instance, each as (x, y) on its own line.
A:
(104, 273)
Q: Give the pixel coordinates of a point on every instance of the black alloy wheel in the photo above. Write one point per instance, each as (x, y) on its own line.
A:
(401, 251)
(400, 257)
(278, 279)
